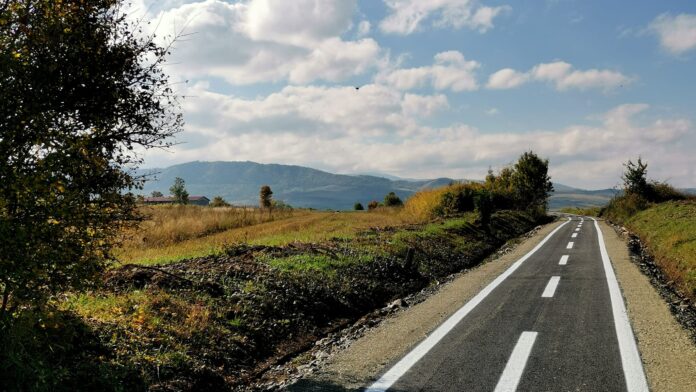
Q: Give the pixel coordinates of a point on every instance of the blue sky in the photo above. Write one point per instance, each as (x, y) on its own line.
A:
(448, 87)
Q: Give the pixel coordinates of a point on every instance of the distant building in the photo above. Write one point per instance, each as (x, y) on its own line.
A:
(195, 200)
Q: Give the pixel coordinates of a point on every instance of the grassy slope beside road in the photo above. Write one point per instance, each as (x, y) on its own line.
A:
(218, 321)
(669, 231)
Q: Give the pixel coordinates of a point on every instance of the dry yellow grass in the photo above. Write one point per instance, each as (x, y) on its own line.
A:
(309, 226)
(421, 206)
(169, 224)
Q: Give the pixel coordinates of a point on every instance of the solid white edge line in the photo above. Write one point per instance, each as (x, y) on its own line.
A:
(518, 361)
(630, 357)
(570, 245)
(564, 260)
(550, 289)
(410, 359)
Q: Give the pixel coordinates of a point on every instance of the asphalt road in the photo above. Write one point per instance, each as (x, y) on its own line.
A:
(555, 321)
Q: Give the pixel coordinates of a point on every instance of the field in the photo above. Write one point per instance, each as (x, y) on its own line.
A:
(176, 233)
(669, 231)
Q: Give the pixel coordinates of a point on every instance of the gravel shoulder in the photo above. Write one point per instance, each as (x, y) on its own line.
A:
(668, 355)
(365, 359)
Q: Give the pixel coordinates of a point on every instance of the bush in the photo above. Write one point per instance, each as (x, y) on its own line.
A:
(623, 207)
(392, 200)
(358, 207)
(660, 192)
(373, 205)
(218, 201)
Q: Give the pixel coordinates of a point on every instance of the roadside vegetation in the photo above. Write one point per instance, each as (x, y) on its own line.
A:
(588, 211)
(664, 219)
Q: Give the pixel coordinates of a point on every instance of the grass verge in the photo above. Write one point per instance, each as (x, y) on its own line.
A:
(669, 231)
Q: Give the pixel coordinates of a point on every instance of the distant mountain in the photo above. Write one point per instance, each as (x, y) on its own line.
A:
(239, 183)
(568, 196)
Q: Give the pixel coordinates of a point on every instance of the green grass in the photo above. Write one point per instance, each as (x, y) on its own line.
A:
(306, 226)
(669, 230)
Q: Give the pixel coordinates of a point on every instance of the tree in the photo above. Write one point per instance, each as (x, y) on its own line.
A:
(392, 200)
(358, 207)
(179, 192)
(265, 194)
(80, 91)
(635, 178)
(156, 194)
(531, 182)
(218, 201)
(372, 205)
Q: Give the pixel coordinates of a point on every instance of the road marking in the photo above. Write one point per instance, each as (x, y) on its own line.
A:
(401, 367)
(582, 219)
(577, 229)
(551, 287)
(515, 365)
(564, 260)
(574, 235)
(630, 358)
(570, 245)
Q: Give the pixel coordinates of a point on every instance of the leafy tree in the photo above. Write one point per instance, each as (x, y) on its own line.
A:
(484, 206)
(392, 200)
(531, 182)
(635, 178)
(80, 91)
(156, 194)
(358, 207)
(265, 195)
(372, 205)
(218, 201)
(179, 192)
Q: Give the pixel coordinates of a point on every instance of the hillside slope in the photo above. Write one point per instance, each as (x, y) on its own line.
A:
(239, 183)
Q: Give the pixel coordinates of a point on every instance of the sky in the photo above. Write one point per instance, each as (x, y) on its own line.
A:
(447, 88)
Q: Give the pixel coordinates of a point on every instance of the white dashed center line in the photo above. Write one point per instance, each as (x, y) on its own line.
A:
(518, 360)
(574, 235)
(564, 260)
(570, 245)
(551, 287)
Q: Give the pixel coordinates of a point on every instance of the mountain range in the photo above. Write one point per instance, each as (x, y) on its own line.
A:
(239, 183)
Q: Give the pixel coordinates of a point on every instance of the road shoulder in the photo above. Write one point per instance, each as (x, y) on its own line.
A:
(668, 356)
(369, 356)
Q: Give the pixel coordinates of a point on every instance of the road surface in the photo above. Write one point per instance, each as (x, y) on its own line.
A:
(554, 321)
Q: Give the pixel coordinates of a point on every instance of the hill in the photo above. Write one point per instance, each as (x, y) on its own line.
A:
(239, 183)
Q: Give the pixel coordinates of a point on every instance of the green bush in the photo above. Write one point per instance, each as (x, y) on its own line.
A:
(392, 200)
(358, 207)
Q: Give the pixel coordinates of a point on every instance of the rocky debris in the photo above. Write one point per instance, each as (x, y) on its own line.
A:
(679, 304)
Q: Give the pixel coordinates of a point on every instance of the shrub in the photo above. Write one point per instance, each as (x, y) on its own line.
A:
(218, 201)
(358, 207)
(623, 207)
(392, 200)
(661, 191)
(372, 205)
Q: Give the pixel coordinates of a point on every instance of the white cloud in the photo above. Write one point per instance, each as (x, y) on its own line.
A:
(492, 111)
(267, 41)
(450, 71)
(677, 34)
(561, 75)
(407, 16)
(381, 128)
(506, 78)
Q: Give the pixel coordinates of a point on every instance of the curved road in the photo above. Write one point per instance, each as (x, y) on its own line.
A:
(554, 321)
